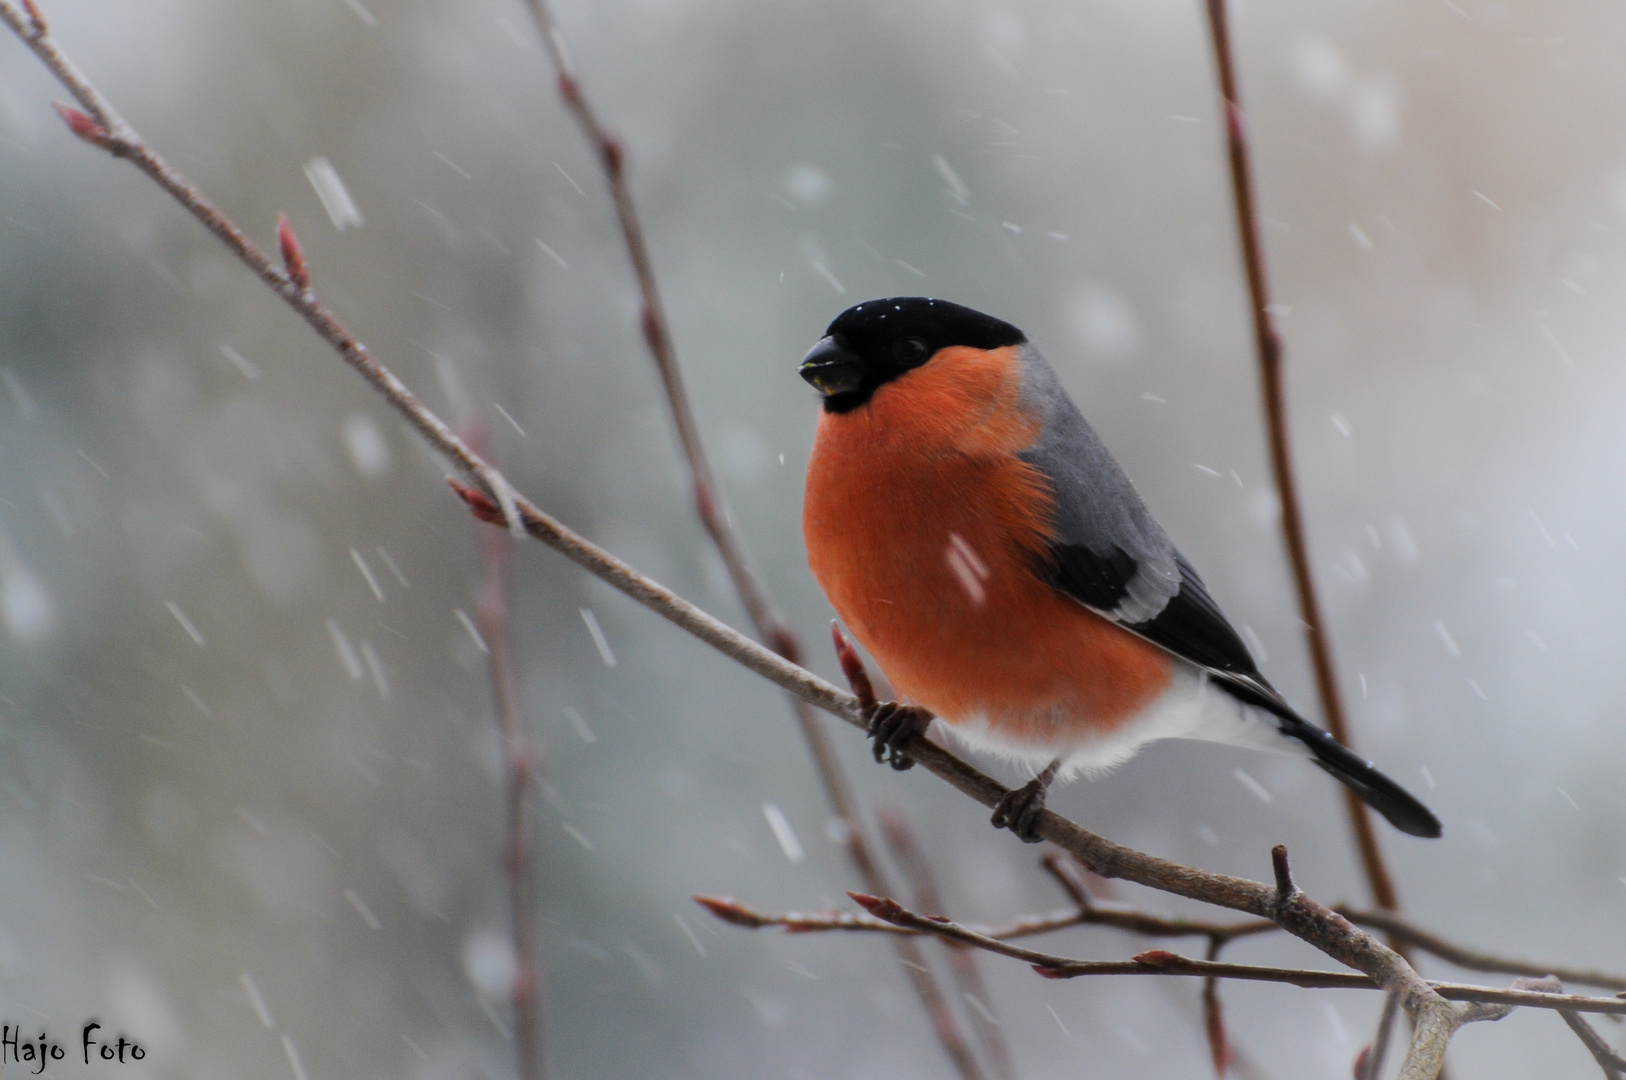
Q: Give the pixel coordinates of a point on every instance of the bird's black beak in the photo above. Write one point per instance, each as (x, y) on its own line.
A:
(831, 368)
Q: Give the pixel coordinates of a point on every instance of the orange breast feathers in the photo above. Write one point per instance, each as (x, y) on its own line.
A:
(928, 535)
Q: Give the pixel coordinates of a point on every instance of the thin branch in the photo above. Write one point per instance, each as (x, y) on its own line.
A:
(1612, 1064)
(962, 961)
(1093, 912)
(1269, 347)
(1162, 962)
(1219, 1044)
(1369, 1065)
(520, 762)
(712, 509)
(1398, 928)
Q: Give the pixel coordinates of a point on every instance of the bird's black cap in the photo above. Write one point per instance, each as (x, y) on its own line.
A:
(872, 343)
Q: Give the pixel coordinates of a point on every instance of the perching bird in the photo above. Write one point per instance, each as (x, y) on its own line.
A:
(978, 539)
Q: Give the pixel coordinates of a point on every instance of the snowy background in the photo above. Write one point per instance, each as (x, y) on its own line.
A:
(1444, 188)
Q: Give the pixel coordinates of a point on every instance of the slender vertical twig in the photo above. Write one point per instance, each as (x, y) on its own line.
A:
(1269, 347)
(520, 761)
(900, 838)
(1219, 1045)
(712, 509)
(1369, 1066)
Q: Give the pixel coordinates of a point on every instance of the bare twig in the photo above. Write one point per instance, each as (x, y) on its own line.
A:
(1093, 912)
(1269, 347)
(1369, 1065)
(1162, 962)
(1219, 1045)
(520, 763)
(712, 509)
(962, 961)
(1398, 928)
(1612, 1064)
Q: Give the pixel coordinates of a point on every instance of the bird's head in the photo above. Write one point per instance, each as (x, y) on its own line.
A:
(871, 344)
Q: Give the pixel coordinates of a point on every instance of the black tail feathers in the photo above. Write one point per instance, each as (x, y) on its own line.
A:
(1395, 803)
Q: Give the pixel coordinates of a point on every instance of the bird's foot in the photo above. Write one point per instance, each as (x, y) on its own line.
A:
(1019, 810)
(892, 726)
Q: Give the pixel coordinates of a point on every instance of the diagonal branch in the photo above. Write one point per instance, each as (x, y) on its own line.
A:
(712, 509)
(1612, 1064)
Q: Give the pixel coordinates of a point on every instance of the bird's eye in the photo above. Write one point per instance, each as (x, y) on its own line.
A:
(910, 351)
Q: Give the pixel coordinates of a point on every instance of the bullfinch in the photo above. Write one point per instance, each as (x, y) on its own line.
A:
(980, 542)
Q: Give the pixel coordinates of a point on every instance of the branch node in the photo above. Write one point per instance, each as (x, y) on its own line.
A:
(705, 502)
(570, 89)
(36, 19)
(649, 321)
(82, 125)
(1157, 958)
(1285, 889)
(614, 156)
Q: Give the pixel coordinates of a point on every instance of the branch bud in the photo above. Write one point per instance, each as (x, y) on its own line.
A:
(731, 912)
(881, 907)
(1156, 958)
(82, 125)
(293, 256)
(480, 504)
(852, 666)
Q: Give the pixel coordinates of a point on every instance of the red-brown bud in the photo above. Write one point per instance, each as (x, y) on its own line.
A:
(293, 256)
(82, 125)
(730, 912)
(852, 666)
(480, 504)
(1156, 958)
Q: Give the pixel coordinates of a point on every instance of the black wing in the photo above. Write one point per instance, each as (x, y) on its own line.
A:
(1190, 624)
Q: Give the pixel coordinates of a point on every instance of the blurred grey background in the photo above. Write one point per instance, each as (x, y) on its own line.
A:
(301, 797)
